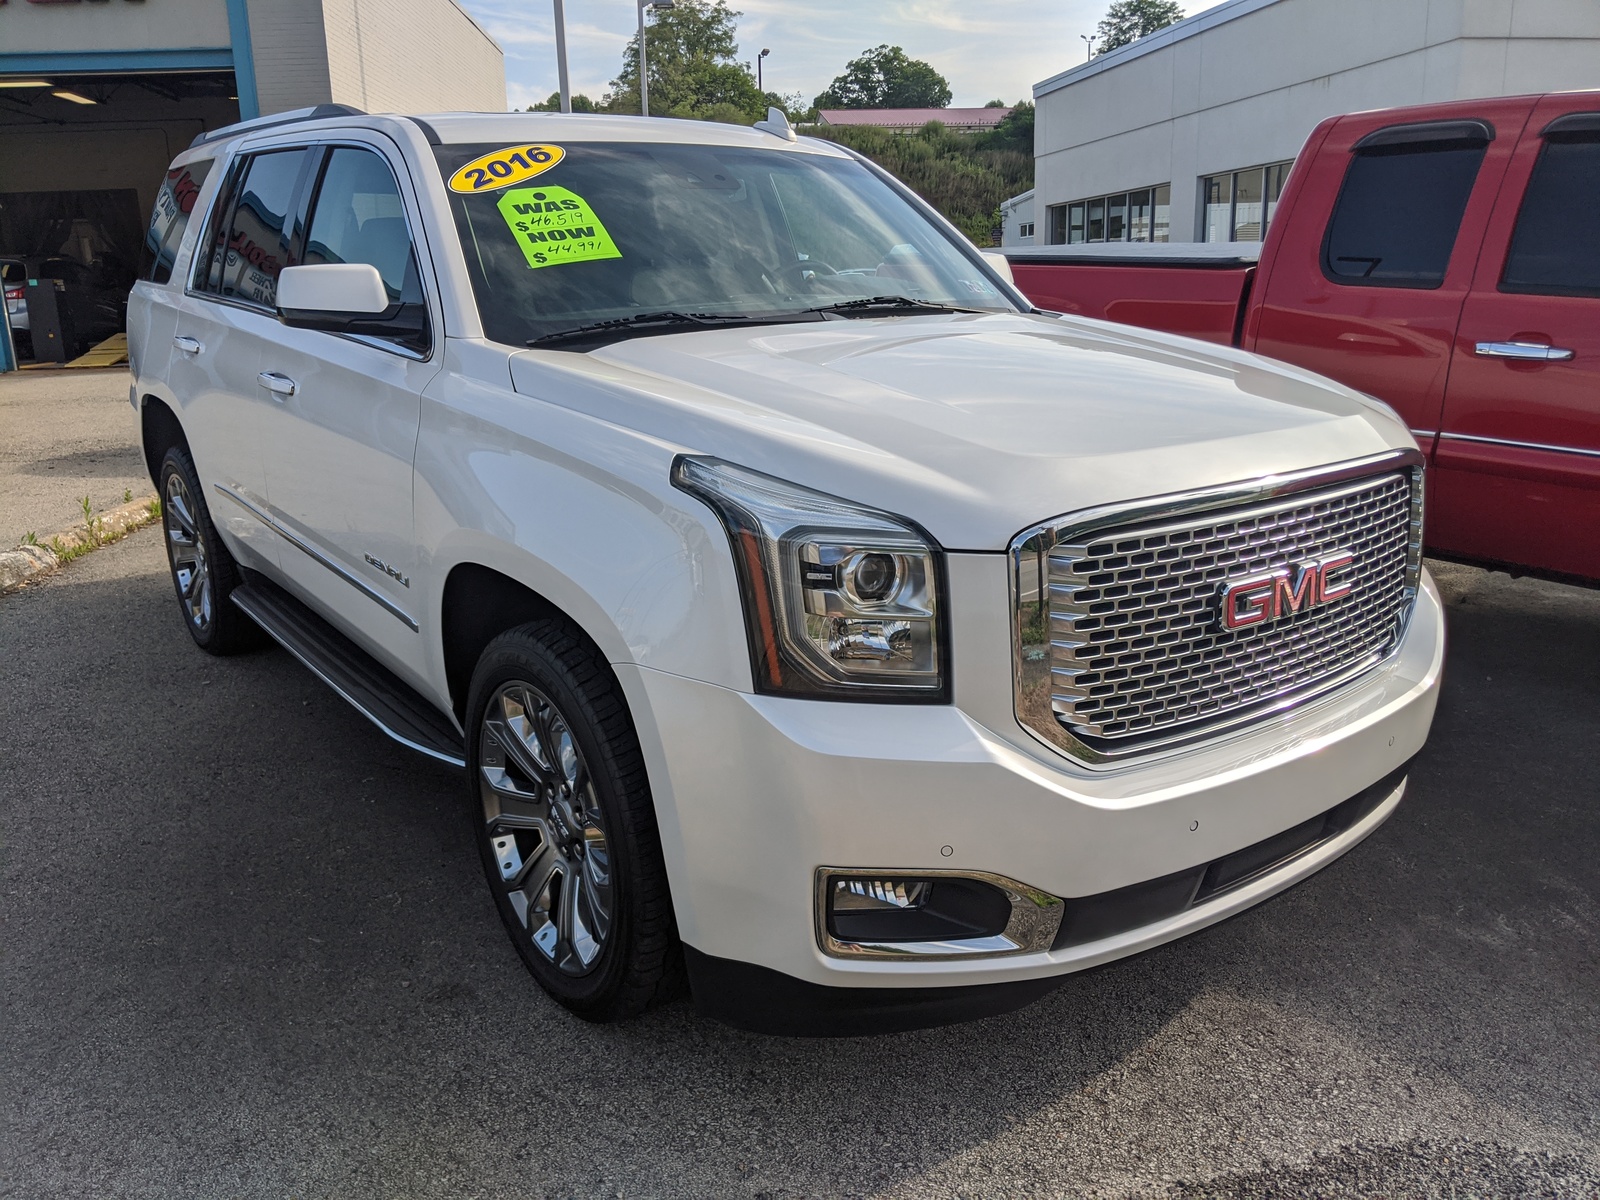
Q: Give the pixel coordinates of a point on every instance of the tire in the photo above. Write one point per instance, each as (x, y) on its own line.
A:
(566, 826)
(204, 573)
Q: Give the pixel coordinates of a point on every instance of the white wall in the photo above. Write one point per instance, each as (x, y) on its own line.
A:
(290, 49)
(411, 56)
(378, 55)
(1259, 74)
(1015, 213)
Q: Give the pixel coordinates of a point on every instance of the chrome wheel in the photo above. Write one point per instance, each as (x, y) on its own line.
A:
(186, 543)
(545, 830)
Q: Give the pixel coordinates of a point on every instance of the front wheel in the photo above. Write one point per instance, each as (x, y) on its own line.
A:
(566, 826)
(204, 573)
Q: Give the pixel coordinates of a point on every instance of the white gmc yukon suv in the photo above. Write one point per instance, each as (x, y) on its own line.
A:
(811, 616)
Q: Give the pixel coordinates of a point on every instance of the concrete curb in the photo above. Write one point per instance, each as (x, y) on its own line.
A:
(29, 562)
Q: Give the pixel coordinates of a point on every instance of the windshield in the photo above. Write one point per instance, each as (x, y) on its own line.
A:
(568, 236)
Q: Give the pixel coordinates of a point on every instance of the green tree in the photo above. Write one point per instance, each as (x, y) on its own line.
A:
(885, 77)
(580, 103)
(1129, 20)
(1015, 131)
(694, 70)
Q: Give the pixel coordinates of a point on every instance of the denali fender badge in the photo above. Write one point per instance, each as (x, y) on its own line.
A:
(387, 570)
(1256, 599)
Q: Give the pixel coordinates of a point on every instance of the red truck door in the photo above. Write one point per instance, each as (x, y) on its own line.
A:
(1367, 280)
(1517, 468)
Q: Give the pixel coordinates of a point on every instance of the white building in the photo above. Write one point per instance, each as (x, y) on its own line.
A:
(1188, 134)
(1016, 220)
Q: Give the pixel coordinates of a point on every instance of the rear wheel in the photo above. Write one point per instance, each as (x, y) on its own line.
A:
(204, 574)
(566, 826)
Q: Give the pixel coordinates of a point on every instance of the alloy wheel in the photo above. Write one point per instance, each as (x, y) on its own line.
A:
(545, 828)
(190, 569)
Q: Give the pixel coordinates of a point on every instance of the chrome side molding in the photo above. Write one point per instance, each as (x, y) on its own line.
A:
(260, 511)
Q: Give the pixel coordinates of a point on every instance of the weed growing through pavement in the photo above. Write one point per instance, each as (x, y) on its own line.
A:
(91, 523)
(65, 553)
(127, 495)
(154, 508)
(30, 538)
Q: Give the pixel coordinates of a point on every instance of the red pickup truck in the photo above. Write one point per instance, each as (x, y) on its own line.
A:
(1444, 259)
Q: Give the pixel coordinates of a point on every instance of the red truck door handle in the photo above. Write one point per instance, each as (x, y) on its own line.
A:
(1525, 351)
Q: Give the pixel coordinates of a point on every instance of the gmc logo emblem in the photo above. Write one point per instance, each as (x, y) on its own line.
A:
(1284, 592)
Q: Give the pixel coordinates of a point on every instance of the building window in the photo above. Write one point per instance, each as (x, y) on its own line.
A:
(1057, 226)
(1238, 206)
(1277, 176)
(1138, 216)
(1025, 229)
(1116, 218)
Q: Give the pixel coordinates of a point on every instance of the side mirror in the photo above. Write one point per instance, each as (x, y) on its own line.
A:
(1000, 263)
(331, 296)
(350, 298)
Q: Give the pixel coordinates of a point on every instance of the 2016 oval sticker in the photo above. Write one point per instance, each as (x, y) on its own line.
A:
(501, 169)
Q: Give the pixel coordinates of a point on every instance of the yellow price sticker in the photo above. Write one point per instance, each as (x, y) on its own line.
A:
(514, 164)
(554, 226)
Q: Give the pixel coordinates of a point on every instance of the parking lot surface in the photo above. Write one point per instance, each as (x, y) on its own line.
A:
(64, 435)
(247, 952)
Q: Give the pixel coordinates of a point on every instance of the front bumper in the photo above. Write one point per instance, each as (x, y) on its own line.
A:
(755, 793)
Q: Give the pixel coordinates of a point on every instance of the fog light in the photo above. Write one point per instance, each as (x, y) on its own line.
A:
(877, 909)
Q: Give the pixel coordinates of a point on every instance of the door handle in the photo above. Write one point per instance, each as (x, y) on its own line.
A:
(1524, 351)
(278, 385)
(188, 345)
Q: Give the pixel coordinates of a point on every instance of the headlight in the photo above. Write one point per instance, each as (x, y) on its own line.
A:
(839, 601)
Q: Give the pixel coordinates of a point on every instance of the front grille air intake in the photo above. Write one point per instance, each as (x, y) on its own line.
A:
(1121, 647)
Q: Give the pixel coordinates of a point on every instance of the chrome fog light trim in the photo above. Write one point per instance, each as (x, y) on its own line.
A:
(1035, 918)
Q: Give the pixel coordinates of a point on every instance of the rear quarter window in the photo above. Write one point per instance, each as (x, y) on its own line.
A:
(169, 219)
(1398, 213)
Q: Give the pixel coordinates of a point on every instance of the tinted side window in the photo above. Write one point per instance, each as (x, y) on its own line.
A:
(255, 245)
(170, 217)
(1556, 247)
(1398, 213)
(358, 217)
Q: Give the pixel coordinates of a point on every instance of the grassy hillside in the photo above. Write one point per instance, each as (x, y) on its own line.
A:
(965, 176)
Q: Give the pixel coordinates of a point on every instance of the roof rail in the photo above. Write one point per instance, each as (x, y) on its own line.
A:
(283, 118)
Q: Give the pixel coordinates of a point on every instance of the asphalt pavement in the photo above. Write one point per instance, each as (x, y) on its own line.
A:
(246, 951)
(65, 435)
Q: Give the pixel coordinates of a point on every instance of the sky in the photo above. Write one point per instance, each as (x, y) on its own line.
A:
(987, 49)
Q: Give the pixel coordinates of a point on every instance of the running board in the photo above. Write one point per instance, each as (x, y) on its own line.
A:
(371, 689)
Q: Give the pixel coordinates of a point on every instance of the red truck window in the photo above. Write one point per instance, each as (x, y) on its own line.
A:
(1555, 250)
(1400, 207)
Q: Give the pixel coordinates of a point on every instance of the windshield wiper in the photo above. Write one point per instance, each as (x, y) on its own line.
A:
(645, 324)
(874, 305)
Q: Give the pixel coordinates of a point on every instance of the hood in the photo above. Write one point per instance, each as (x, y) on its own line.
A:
(974, 426)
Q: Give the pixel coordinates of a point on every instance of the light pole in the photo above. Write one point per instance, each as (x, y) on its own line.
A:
(1089, 42)
(561, 56)
(759, 57)
(644, 73)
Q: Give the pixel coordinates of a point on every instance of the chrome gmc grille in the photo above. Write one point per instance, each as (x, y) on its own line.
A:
(1128, 651)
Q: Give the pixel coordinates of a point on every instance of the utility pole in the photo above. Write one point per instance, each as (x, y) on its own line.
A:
(561, 55)
(644, 71)
(1088, 40)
